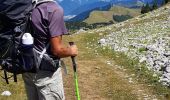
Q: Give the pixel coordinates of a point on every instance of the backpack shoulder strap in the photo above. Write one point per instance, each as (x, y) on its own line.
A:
(37, 2)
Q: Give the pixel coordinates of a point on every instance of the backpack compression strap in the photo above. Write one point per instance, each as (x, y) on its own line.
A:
(41, 54)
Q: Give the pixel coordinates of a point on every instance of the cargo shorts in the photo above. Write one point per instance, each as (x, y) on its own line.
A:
(44, 85)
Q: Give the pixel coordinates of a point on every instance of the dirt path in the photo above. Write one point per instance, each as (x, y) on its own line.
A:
(100, 79)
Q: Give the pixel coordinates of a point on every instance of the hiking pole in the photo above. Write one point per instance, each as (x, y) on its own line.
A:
(75, 74)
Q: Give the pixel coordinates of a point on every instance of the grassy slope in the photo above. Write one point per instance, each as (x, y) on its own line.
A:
(106, 16)
(126, 11)
(99, 16)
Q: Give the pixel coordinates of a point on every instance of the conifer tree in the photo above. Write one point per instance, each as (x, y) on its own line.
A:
(155, 5)
(143, 9)
(147, 8)
(166, 1)
(163, 2)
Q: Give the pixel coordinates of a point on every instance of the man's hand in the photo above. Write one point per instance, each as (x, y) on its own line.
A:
(73, 50)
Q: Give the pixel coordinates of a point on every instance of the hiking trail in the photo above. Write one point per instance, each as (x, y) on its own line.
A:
(101, 79)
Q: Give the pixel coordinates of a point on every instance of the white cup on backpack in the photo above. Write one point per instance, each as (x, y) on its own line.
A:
(27, 51)
(27, 39)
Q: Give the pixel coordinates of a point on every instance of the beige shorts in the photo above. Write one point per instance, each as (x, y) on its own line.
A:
(44, 85)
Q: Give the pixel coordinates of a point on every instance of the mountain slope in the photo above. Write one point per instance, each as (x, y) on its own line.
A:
(108, 76)
(99, 17)
(90, 6)
(129, 3)
(106, 16)
(147, 38)
(83, 11)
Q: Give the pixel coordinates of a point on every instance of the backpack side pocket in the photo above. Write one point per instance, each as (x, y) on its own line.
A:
(46, 63)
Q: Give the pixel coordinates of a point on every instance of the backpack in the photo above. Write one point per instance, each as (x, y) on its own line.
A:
(14, 23)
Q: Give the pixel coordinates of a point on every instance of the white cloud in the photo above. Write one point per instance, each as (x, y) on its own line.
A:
(68, 17)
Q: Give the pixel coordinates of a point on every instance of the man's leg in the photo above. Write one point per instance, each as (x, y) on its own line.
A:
(50, 85)
(30, 87)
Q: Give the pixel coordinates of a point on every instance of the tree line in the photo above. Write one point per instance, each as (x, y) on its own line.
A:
(72, 26)
(147, 7)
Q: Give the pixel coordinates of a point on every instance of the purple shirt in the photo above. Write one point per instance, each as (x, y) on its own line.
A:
(48, 22)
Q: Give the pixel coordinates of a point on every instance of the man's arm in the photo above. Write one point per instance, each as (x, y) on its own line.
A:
(58, 49)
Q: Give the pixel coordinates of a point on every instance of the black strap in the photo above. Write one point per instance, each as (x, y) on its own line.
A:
(6, 77)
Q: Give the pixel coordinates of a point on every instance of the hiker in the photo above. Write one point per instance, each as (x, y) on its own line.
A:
(48, 27)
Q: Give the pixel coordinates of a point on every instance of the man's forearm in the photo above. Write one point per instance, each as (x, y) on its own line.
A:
(63, 52)
(58, 48)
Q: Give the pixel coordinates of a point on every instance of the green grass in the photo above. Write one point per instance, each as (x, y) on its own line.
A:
(125, 11)
(142, 49)
(143, 75)
(99, 17)
(17, 89)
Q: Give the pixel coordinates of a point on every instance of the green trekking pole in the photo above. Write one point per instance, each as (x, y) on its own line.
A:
(75, 74)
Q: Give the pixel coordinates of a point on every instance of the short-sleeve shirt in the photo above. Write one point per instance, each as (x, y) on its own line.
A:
(48, 22)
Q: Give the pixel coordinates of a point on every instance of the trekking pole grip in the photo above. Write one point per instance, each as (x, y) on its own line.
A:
(71, 43)
(73, 58)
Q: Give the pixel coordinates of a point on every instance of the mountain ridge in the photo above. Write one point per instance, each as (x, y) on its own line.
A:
(70, 6)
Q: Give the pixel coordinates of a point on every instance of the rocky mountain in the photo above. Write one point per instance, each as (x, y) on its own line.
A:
(74, 9)
(129, 3)
(146, 38)
(83, 12)
(90, 6)
(70, 6)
